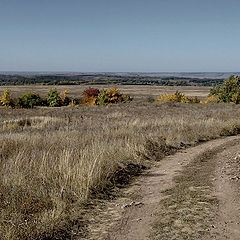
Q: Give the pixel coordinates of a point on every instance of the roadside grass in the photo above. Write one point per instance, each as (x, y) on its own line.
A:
(53, 162)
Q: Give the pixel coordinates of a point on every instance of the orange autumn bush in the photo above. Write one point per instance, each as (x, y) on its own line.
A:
(90, 96)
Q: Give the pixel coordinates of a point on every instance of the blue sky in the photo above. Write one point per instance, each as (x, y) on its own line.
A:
(119, 35)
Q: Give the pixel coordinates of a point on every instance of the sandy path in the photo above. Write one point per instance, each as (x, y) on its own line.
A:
(131, 217)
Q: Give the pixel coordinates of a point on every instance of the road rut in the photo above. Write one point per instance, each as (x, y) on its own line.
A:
(133, 216)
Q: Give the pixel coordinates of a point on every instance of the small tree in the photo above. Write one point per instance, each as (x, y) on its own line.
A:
(53, 98)
(6, 98)
(29, 100)
(229, 91)
(64, 98)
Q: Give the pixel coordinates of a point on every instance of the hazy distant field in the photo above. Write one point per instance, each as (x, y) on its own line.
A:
(137, 91)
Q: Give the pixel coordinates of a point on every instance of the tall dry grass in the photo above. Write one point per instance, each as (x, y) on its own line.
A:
(52, 161)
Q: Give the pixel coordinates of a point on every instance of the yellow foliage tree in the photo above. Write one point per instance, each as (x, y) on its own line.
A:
(6, 98)
(64, 98)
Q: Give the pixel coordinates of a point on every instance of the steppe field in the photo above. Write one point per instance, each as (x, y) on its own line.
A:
(135, 170)
(137, 91)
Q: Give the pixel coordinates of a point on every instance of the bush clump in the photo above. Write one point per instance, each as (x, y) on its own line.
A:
(93, 96)
(177, 97)
(229, 91)
(110, 96)
(29, 100)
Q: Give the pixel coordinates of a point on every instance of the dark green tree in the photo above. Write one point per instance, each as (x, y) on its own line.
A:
(29, 100)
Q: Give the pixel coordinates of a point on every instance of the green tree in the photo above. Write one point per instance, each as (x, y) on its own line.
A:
(53, 98)
(29, 100)
(229, 91)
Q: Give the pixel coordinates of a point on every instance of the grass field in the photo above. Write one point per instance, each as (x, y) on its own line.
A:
(137, 91)
(53, 160)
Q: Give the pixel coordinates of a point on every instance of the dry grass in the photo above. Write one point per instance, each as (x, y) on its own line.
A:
(52, 160)
(137, 91)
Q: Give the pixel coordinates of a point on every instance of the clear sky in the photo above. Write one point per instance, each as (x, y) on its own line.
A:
(119, 35)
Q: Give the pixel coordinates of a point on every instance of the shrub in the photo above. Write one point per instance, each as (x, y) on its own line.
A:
(194, 99)
(65, 100)
(127, 98)
(211, 99)
(111, 96)
(102, 98)
(90, 96)
(77, 101)
(29, 100)
(177, 97)
(6, 99)
(53, 98)
(72, 103)
(229, 91)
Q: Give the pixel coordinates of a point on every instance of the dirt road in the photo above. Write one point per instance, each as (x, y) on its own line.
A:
(193, 194)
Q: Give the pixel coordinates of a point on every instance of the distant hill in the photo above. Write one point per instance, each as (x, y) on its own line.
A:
(162, 79)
